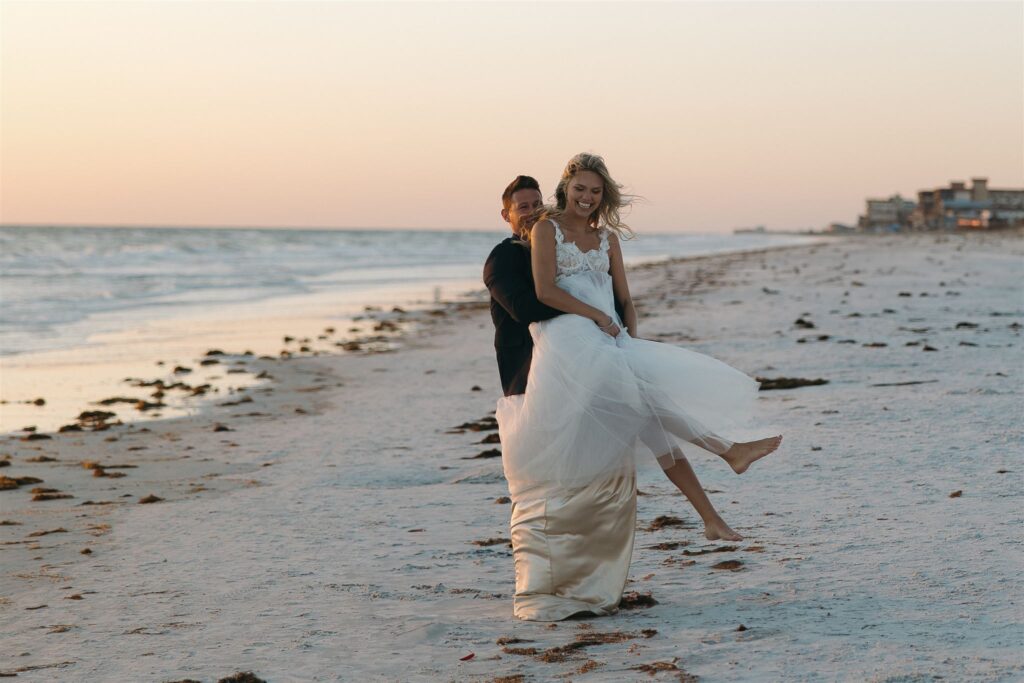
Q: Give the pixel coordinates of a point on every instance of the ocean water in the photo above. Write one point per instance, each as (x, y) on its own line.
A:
(58, 286)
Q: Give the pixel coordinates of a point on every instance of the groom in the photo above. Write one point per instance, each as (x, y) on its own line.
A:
(571, 550)
(509, 278)
(508, 275)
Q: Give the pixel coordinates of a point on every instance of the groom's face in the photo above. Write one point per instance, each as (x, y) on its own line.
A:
(521, 213)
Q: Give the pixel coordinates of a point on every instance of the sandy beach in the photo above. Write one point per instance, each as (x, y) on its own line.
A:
(344, 519)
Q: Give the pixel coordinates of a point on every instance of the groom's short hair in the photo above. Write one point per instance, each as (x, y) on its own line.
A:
(522, 182)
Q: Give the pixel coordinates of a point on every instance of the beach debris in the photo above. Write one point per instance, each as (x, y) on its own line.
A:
(874, 345)
(716, 549)
(242, 677)
(35, 667)
(38, 402)
(209, 361)
(490, 453)
(497, 540)
(181, 370)
(670, 545)
(95, 420)
(804, 323)
(656, 667)
(926, 347)
(8, 483)
(467, 657)
(490, 438)
(956, 494)
(50, 494)
(36, 437)
(484, 424)
(511, 640)
(86, 551)
(60, 530)
(904, 384)
(150, 499)
(665, 521)
(502, 500)
(729, 565)
(636, 600)
(905, 294)
(6, 462)
(475, 387)
(38, 458)
(966, 325)
(769, 384)
(218, 427)
(586, 639)
(769, 291)
(9, 522)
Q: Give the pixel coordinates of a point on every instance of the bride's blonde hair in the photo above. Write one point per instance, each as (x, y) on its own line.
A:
(612, 199)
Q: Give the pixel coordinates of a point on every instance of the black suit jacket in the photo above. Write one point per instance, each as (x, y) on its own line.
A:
(514, 305)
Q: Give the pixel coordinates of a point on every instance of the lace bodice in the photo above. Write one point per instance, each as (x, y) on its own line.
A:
(570, 260)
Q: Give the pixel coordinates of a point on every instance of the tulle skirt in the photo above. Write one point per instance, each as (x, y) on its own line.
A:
(594, 403)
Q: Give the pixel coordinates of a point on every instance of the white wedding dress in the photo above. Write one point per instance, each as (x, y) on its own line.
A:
(592, 401)
(569, 442)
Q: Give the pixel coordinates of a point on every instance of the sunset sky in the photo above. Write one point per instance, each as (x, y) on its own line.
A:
(388, 114)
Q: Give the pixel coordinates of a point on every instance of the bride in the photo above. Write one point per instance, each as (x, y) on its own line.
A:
(596, 394)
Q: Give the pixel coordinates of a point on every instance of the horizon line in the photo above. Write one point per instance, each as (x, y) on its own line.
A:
(137, 226)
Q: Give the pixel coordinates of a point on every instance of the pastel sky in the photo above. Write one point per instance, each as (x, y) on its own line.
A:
(388, 114)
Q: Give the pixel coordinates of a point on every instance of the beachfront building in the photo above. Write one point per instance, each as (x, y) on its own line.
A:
(890, 214)
(978, 207)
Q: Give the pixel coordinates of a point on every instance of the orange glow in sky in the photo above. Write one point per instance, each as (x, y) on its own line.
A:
(388, 114)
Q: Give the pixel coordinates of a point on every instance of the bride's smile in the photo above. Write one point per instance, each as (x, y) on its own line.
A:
(585, 193)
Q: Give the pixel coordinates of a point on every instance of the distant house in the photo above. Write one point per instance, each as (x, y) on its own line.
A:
(890, 214)
(959, 207)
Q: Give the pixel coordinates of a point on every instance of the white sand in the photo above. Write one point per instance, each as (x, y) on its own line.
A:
(349, 556)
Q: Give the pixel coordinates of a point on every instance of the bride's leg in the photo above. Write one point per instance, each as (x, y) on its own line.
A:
(677, 468)
(683, 476)
(739, 455)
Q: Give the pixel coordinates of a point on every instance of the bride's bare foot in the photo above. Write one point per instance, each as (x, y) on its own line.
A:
(720, 531)
(743, 455)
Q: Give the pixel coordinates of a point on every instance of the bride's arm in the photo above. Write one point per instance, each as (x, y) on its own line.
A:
(620, 286)
(542, 255)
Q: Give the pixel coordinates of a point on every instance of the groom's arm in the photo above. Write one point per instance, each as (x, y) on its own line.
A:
(506, 281)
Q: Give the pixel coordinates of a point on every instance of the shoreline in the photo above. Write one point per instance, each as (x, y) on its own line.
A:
(338, 446)
(44, 390)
